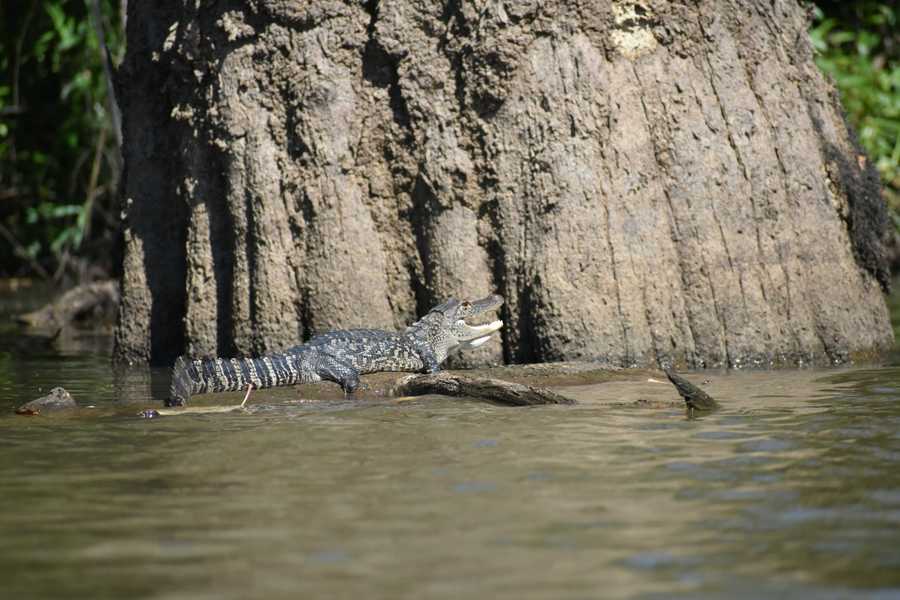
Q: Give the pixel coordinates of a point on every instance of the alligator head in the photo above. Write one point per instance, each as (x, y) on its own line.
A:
(444, 328)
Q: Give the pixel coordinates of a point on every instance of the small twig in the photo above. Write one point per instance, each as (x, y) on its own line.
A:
(20, 251)
(17, 59)
(247, 395)
(75, 170)
(60, 269)
(92, 184)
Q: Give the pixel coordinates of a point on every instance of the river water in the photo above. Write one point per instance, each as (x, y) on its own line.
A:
(792, 490)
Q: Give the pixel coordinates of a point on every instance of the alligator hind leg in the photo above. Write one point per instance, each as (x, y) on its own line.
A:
(338, 371)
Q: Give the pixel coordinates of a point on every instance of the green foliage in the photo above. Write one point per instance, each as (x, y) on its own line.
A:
(856, 43)
(59, 163)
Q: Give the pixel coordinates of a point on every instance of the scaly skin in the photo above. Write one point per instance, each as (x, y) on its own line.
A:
(342, 356)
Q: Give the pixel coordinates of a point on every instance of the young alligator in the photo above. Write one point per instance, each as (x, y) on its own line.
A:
(342, 356)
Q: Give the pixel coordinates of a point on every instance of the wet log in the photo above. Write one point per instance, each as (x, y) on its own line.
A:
(493, 390)
(83, 299)
(486, 389)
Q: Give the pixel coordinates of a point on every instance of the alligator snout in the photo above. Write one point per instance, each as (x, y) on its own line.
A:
(473, 336)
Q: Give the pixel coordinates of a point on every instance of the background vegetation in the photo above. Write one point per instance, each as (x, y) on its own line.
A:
(59, 159)
(858, 45)
(60, 165)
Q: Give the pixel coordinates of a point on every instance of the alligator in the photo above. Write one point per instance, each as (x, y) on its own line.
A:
(342, 356)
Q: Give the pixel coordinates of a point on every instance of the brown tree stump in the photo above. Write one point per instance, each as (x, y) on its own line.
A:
(646, 183)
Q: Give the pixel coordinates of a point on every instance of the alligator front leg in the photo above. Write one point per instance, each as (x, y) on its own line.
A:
(431, 366)
(430, 363)
(341, 372)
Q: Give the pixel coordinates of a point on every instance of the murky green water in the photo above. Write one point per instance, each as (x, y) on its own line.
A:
(792, 490)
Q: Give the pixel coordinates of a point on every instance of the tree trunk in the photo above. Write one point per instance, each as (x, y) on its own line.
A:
(645, 182)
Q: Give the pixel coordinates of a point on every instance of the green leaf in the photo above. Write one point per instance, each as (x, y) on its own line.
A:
(57, 15)
(841, 37)
(65, 210)
(43, 44)
(62, 238)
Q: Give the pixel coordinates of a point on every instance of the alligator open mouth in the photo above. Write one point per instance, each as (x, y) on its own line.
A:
(473, 336)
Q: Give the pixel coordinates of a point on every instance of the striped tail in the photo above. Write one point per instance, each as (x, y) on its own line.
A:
(191, 377)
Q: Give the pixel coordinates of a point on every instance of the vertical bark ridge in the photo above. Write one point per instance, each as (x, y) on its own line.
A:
(150, 321)
(242, 251)
(691, 356)
(615, 277)
(209, 248)
(782, 231)
(201, 335)
(728, 109)
(657, 133)
(695, 280)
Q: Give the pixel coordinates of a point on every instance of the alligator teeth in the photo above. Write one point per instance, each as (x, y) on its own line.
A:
(478, 341)
(477, 331)
(473, 336)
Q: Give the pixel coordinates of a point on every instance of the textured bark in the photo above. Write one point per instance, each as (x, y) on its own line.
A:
(645, 182)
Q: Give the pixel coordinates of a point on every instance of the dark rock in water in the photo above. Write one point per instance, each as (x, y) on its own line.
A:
(58, 399)
(694, 397)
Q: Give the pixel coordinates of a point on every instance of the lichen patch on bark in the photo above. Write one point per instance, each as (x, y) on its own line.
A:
(632, 34)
